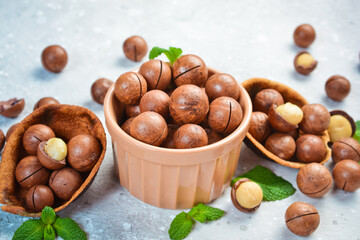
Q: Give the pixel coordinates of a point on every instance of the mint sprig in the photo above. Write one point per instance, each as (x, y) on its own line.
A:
(357, 132)
(182, 224)
(172, 54)
(48, 226)
(273, 187)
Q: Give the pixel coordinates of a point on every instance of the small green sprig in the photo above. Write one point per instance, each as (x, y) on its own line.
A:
(48, 227)
(274, 187)
(172, 54)
(357, 132)
(183, 222)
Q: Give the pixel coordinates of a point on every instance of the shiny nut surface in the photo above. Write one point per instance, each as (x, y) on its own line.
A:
(310, 148)
(337, 87)
(259, 126)
(34, 135)
(345, 148)
(346, 175)
(264, 99)
(281, 144)
(54, 58)
(135, 48)
(304, 35)
(12, 108)
(65, 182)
(29, 172)
(316, 118)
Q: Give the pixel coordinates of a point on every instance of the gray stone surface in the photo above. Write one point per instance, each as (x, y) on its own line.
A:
(244, 38)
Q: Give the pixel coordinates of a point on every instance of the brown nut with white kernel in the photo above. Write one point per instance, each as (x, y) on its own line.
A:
(304, 63)
(246, 195)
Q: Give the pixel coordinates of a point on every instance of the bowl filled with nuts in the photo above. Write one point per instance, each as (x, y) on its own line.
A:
(50, 158)
(284, 127)
(182, 143)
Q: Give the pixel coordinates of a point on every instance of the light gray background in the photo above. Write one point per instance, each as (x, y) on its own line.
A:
(243, 38)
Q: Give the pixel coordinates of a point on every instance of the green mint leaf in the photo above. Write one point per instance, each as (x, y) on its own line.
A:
(49, 232)
(32, 229)
(357, 132)
(274, 187)
(48, 215)
(156, 51)
(68, 229)
(204, 213)
(172, 54)
(181, 226)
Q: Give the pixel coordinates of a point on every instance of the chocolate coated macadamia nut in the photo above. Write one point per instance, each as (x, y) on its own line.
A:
(149, 127)
(190, 69)
(34, 135)
(188, 104)
(222, 85)
(54, 58)
(265, 98)
(135, 48)
(156, 73)
(190, 136)
(225, 115)
(314, 180)
(83, 152)
(65, 182)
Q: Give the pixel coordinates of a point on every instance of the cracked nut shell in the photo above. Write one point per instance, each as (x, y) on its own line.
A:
(54, 58)
(346, 175)
(135, 48)
(150, 128)
(302, 218)
(65, 182)
(34, 135)
(281, 144)
(253, 198)
(48, 161)
(190, 69)
(38, 197)
(29, 172)
(130, 87)
(12, 108)
(188, 104)
(304, 63)
(225, 115)
(314, 180)
(190, 136)
(156, 73)
(310, 148)
(345, 148)
(83, 152)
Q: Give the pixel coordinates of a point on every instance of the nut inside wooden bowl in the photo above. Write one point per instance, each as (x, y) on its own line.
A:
(66, 121)
(255, 85)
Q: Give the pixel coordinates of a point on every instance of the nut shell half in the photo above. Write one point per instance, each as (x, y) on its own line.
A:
(66, 121)
(255, 85)
(278, 122)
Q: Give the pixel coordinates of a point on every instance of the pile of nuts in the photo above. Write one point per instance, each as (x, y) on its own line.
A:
(52, 171)
(277, 125)
(178, 106)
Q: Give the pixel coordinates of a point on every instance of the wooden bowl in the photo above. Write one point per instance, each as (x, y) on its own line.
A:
(66, 121)
(255, 85)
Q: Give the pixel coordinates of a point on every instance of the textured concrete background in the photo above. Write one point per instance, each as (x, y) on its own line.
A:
(243, 38)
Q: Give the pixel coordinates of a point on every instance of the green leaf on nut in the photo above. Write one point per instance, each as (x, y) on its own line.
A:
(357, 131)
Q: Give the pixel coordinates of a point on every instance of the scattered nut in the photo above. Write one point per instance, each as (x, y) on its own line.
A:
(156, 101)
(302, 218)
(304, 63)
(259, 126)
(65, 182)
(34, 135)
(337, 87)
(45, 101)
(38, 197)
(222, 85)
(150, 128)
(135, 48)
(12, 108)
(345, 148)
(310, 148)
(281, 144)
(316, 118)
(346, 175)
(52, 153)
(190, 136)
(304, 35)
(130, 87)
(225, 115)
(265, 98)
(156, 73)
(314, 180)
(29, 172)
(54, 58)
(246, 195)
(99, 89)
(190, 69)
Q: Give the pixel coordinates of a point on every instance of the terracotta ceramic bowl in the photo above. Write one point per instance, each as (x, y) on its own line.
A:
(255, 85)
(174, 178)
(66, 121)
